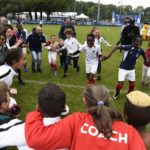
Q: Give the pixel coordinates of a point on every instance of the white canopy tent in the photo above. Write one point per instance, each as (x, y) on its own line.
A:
(82, 16)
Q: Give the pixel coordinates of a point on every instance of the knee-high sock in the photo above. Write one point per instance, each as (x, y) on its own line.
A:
(55, 67)
(131, 87)
(118, 87)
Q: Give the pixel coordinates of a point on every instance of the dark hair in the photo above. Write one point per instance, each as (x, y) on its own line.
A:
(136, 37)
(68, 31)
(51, 100)
(136, 116)
(13, 55)
(8, 26)
(2, 34)
(91, 35)
(103, 116)
(18, 24)
(3, 91)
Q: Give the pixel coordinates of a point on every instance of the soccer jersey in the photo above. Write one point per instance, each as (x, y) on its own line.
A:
(101, 40)
(130, 56)
(78, 132)
(92, 53)
(7, 74)
(72, 45)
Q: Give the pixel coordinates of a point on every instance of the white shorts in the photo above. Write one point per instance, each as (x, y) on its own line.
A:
(24, 50)
(52, 56)
(91, 68)
(126, 74)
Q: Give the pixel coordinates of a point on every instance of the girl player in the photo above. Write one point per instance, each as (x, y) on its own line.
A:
(127, 66)
(72, 46)
(93, 53)
(52, 54)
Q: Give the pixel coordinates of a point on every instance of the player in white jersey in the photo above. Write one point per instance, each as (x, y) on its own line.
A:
(98, 40)
(93, 53)
(72, 46)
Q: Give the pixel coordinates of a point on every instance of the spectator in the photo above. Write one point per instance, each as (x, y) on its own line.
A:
(100, 128)
(3, 21)
(137, 110)
(3, 48)
(35, 39)
(130, 32)
(15, 59)
(65, 26)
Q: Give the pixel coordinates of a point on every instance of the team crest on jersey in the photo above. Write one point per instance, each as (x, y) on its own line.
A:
(93, 51)
(72, 42)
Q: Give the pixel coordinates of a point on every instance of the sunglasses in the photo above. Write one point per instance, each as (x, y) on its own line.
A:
(2, 39)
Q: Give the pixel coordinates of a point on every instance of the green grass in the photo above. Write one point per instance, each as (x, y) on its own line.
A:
(27, 95)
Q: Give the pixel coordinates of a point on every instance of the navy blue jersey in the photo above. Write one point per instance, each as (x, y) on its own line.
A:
(35, 41)
(22, 34)
(130, 56)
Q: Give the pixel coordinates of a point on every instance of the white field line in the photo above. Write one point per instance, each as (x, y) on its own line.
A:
(64, 85)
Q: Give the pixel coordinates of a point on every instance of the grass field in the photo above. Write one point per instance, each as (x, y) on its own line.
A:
(74, 84)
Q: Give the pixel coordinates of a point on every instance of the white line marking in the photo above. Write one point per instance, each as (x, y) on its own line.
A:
(64, 85)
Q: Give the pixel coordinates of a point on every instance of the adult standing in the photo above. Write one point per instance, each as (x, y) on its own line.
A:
(35, 39)
(3, 21)
(130, 32)
(65, 26)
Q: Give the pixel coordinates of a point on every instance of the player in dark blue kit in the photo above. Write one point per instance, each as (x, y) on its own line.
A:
(127, 66)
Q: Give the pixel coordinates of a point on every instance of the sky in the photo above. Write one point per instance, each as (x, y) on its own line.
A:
(133, 3)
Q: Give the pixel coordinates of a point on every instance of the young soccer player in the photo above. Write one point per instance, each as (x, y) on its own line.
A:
(136, 111)
(72, 46)
(62, 52)
(98, 40)
(93, 53)
(100, 128)
(127, 66)
(52, 54)
(50, 104)
(146, 69)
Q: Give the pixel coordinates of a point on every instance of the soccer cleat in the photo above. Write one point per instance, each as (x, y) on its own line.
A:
(33, 70)
(56, 74)
(147, 85)
(21, 83)
(64, 76)
(52, 68)
(115, 96)
(25, 69)
(39, 70)
(99, 77)
(143, 84)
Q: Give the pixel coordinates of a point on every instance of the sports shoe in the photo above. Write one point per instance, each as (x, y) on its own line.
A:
(25, 69)
(56, 74)
(143, 84)
(115, 96)
(64, 76)
(147, 85)
(52, 68)
(21, 82)
(33, 70)
(99, 77)
(39, 70)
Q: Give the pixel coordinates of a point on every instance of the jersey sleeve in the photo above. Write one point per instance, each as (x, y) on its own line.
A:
(54, 136)
(135, 141)
(77, 42)
(125, 47)
(82, 48)
(104, 42)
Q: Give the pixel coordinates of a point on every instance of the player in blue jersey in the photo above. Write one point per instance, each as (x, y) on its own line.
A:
(127, 66)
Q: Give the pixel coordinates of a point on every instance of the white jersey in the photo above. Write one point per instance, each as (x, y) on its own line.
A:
(7, 74)
(91, 53)
(72, 45)
(12, 133)
(148, 32)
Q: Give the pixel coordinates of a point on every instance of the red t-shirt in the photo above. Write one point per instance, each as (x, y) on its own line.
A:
(147, 54)
(77, 132)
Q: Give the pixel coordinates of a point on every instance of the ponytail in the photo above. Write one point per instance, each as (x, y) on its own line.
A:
(98, 99)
